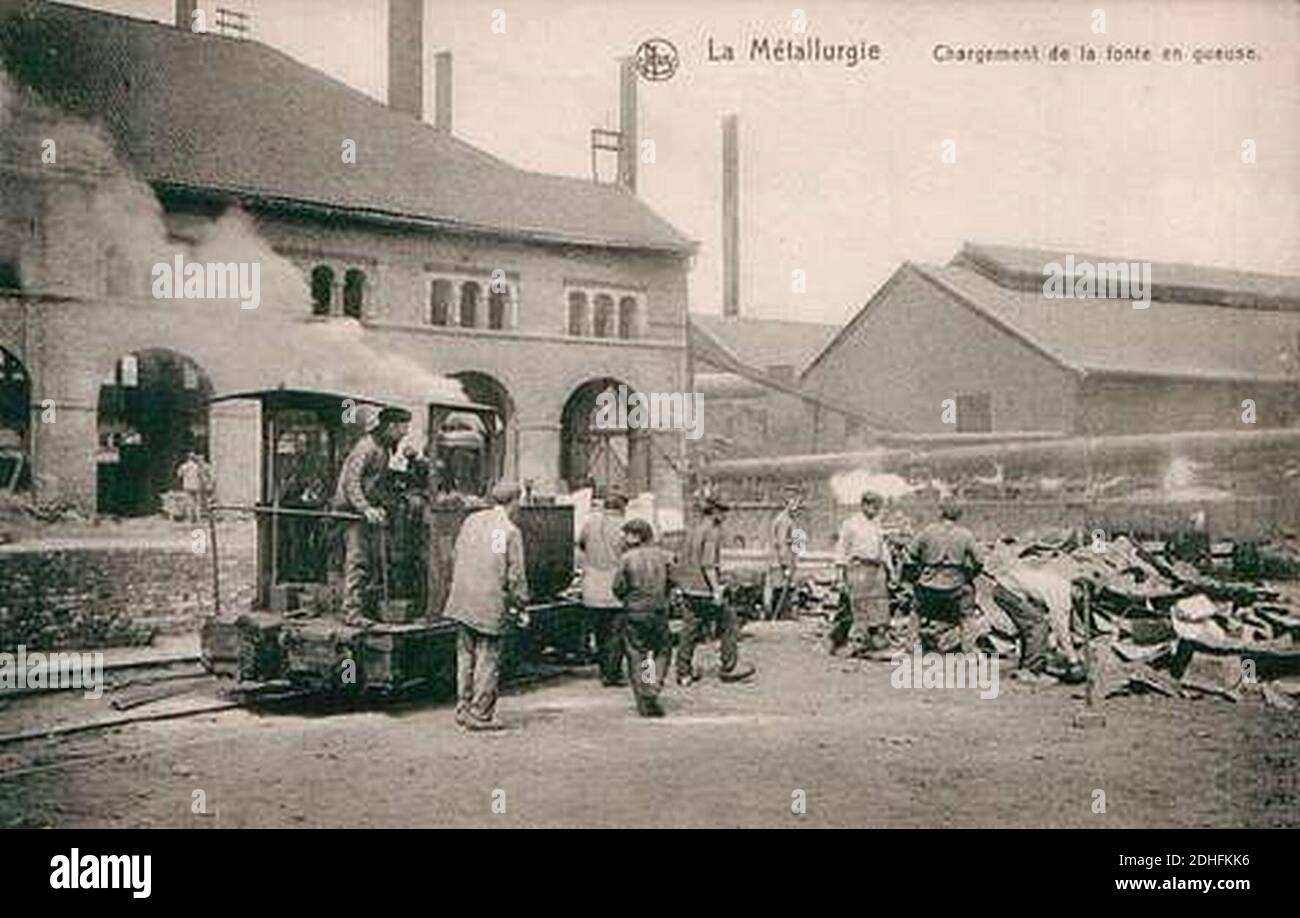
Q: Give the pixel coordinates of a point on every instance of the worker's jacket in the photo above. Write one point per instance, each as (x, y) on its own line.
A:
(701, 557)
(601, 543)
(782, 537)
(645, 580)
(944, 556)
(488, 574)
(359, 485)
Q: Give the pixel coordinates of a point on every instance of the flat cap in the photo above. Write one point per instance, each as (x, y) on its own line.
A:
(503, 492)
(394, 415)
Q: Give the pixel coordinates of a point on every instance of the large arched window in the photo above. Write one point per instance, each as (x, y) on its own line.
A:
(440, 301)
(604, 315)
(628, 317)
(469, 301)
(354, 292)
(322, 289)
(577, 313)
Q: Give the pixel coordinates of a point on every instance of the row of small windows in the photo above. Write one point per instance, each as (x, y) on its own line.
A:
(325, 293)
(471, 304)
(463, 304)
(599, 316)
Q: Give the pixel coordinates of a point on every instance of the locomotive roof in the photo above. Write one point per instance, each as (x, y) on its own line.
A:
(304, 396)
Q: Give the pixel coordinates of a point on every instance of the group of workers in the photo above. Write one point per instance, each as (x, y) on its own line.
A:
(630, 583)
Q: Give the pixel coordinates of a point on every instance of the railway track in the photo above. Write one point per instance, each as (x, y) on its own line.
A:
(216, 698)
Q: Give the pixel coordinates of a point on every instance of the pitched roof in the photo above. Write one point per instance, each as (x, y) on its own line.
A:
(763, 343)
(1105, 336)
(236, 116)
(1232, 325)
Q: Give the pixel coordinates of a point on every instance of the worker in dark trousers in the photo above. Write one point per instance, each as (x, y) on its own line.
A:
(644, 583)
(360, 490)
(704, 593)
(601, 546)
(944, 561)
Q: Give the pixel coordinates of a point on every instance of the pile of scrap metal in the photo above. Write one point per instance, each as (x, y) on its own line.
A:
(1160, 623)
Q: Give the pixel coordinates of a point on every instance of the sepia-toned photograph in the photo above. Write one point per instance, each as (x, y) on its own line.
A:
(573, 414)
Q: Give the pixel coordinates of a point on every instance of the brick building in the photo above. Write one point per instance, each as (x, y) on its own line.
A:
(535, 291)
(980, 332)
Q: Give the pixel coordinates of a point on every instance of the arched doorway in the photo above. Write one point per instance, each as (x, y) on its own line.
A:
(605, 453)
(152, 412)
(503, 446)
(15, 421)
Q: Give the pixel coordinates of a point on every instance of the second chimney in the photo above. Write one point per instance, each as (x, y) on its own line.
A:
(442, 90)
(185, 13)
(405, 57)
(627, 140)
(730, 217)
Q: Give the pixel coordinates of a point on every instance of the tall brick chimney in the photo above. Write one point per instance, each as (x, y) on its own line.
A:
(730, 217)
(442, 91)
(185, 13)
(406, 57)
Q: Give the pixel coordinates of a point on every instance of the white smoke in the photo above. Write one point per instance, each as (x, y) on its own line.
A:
(847, 487)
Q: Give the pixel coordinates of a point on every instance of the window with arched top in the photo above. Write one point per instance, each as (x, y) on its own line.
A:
(577, 313)
(469, 301)
(322, 289)
(354, 292)
(628, 317)
(603, 315)
(498, 308)
(440, 301)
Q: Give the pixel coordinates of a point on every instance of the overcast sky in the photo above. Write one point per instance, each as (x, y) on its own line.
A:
(842, 175)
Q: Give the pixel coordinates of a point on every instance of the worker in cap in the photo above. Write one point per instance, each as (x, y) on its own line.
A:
(944, 560)
(704, 597)
(644, 582)
(359, 491)
(865, 568)
(489, 589)
(600, 546)
(785, 543)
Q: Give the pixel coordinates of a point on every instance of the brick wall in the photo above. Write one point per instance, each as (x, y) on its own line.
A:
(105, 595)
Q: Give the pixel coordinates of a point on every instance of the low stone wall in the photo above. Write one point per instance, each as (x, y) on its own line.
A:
(97, 595)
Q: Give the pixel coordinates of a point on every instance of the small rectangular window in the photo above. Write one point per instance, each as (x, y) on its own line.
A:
(975, 413)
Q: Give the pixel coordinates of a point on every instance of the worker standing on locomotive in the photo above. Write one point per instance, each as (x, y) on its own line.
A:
(489, 588)
(601, 545)
(360, 491)
(704, 592)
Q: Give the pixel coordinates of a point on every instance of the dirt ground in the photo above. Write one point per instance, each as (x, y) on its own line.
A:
(862, 752)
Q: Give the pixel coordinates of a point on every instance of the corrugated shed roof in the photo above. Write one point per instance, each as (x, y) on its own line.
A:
(1111, 337)
(238, 116)
(764, 343)
(1013, 266)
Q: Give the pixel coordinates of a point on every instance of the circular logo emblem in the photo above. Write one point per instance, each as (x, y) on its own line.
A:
(656, 59)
